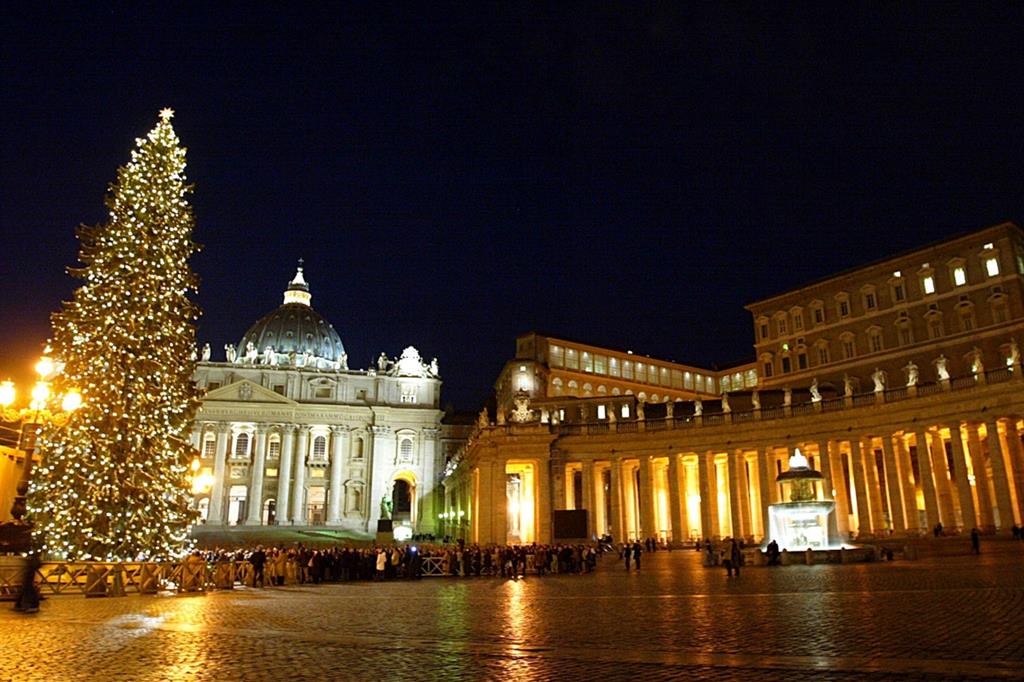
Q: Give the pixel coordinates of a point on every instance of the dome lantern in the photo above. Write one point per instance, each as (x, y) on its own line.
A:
(298, 289)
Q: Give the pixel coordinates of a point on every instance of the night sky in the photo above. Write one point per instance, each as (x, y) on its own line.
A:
(453, 177)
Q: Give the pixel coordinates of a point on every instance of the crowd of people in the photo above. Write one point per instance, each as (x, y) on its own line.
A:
(276, 566)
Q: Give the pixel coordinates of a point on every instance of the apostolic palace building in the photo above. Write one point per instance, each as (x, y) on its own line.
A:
(900, 381)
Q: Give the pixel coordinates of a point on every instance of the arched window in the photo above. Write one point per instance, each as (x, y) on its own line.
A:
(242, 446)
(357, 453)
(556, 385)
(209, 445)
(320, 448)
(405, 450)
(274, 447)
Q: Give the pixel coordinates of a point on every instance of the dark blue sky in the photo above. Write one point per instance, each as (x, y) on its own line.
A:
(628, 176)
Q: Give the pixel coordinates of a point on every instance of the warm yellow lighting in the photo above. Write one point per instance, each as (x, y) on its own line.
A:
(40, 392)
(7, 393)
(44, 367)
(195, 464)
(72, 401)
(202, 483)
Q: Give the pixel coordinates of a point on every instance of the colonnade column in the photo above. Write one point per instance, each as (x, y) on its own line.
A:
(982, 485)
(675, 498)
(499, 513)
(908, 484)
(874, 486)
(963, 485)
(1000, 479)
(836, 457)
(284, 475)
(744, 494)
(735, 511)
(615, 484)
(865, 524)
(559, 485)
(924, 465)
(646, 493)
(216, 513)
(764, 480)
(255, 515)
(943, 480)
(589, 498)
(339, 449)
(1015, 458)
(892, 485)
(299, 490)
(708, 495)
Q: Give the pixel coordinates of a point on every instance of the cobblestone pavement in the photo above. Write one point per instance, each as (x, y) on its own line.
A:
(955, 617)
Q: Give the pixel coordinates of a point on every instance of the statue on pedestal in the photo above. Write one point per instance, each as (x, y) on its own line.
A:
(640, 410)
(912, 374)
(940, 368)
(725, 403)
(229, 352)
(878, 376)
(482, 420)
(251, 354)
(434, 369)
(977, 367)
(386, 505)
(847, 386)
(698, 407)
(343, 360)
(268, 355)
(755, 400)
(815, 393)
(206, 352)
(1014, 357)
(787, 396)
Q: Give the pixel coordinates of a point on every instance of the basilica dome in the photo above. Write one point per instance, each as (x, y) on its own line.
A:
(295, 327)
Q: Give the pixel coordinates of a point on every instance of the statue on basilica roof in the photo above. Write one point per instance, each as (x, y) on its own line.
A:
(229, 352)
(206, 352)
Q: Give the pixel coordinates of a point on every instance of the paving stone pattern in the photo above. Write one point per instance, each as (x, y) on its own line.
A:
(954, 618)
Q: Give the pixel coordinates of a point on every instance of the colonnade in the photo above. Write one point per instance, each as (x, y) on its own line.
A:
(962, 475)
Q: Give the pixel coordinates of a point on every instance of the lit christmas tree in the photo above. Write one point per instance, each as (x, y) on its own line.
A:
(113, 483)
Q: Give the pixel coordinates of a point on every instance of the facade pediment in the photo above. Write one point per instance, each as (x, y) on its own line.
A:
(246, 391)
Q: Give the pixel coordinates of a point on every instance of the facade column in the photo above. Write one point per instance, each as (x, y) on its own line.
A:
(963, 485)
(943, 480)
(589, 498)
(216, 513)
(746, 485)
(284, 475)
(735, 508)
(982, 485)
(646, 493)
(924, 465)
(299, 490)
(1000, 480)
(892, 485)
(675, 498)
(339, 452)
(858, 456)
(499, 514)
(255, 502)
(195, 438)
(765, 485)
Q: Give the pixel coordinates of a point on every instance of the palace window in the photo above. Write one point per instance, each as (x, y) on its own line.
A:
(700, 383)
(801, 360)
(928, 284)
(764, 330)
(935, 327)
(769, 369)
(843, 305)
(822, 354)
(556, 356)
(687, 380)
(966, 313)
(627, 369)
(869, 297)
(780, 326)
(959, 276)
(614, 368)
(817, 312)
(600, 364)
(904, 330)
(849, 346)
(677, 379)
(1000, 313)
(587, 362)
(602, 412)
(875, 340)
(624, 412)
(992, 266)
(786, 365)
(798, 321)
(666, 376)
(572, 358)
(641, 372)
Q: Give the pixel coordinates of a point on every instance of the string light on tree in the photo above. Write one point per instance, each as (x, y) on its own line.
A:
(114, 482)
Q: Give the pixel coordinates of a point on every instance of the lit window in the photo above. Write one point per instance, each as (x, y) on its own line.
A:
(992, 266)
(613, 367)
(242, 445)
(600, 364)
(587, 364)
(555, 356)
(641, 371)
(928, 284)
(687, 380)
(959, 276)
(627, 370)
(601, 412)
(320, 448)
(624, 412)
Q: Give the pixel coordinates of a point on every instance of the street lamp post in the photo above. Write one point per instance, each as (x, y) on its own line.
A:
(16, 534)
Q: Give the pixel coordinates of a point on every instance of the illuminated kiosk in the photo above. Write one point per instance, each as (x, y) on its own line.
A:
(806, 519)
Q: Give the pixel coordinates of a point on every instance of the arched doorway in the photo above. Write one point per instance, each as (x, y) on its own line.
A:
(236, 505)
(403, 500)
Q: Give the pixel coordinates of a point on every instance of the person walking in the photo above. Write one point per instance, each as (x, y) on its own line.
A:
(626, 550)
(976, 540)
(733, 558)
(637, 549)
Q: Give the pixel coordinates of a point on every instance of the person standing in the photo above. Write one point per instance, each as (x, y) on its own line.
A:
(258, 559)
(976, 540)
(637, 549)
(733, 558)
(626, 551)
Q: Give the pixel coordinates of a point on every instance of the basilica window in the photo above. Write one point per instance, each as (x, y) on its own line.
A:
(677, 379)
(687, 380)
(641, 372)
(627, 369)
(209, 446)
(319, 449)
(274, 447)
(614, 367)
(572, 359)
(242, 446)
(556, 356)
(405, 450)
(587, 362)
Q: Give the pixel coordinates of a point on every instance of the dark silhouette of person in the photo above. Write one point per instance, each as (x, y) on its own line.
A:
(976, 540)
(637, 549)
